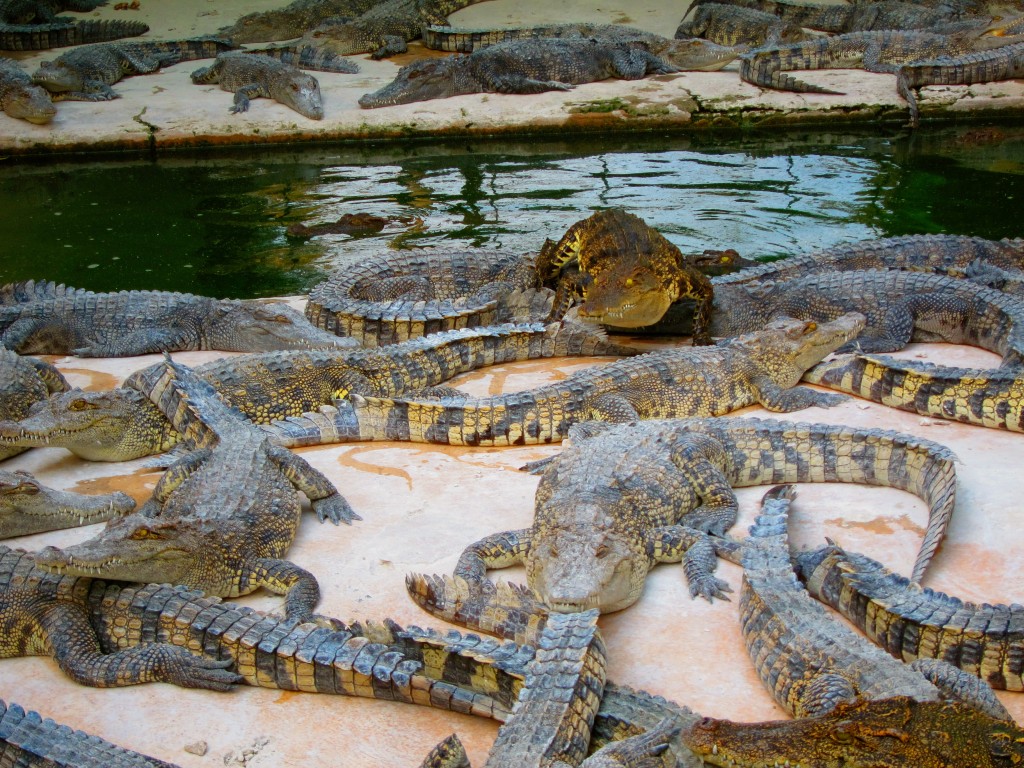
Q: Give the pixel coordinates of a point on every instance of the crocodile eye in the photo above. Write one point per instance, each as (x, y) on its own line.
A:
(78, 404)
(810, 327)
(142, 534)
(601, 551)
(629, 282)
(553, 550)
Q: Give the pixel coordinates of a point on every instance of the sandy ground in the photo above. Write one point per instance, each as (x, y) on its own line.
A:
(166, 110)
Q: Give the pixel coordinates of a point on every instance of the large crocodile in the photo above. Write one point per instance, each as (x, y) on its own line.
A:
(912, 623)
(1003, 63)
(44, 318)
(86, 73)
(987, 397)
(809, 661)
(250, 75)
(624, 497)
(760, 368)
(21, 99)
(689, 54)
(292, 21)
(27, 506)
(223, 517)
(519, 66)
(876, 15)
(32, 25)
(24, 381)
(898, 731)
(728, 24)
(122, 424)
(877, 51)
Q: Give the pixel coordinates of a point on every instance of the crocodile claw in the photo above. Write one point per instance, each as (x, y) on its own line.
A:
(182, 668)
(336, 509)
(709, 588)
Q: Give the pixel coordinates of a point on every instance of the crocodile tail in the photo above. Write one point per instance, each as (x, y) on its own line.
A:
(525, 305)
(36, 290)
(758, 70)
(39, 37)
(907, 91)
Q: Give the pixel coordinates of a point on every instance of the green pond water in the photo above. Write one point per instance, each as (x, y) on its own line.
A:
(216, 224)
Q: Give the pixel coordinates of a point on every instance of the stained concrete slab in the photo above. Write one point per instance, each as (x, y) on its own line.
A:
(165, 110)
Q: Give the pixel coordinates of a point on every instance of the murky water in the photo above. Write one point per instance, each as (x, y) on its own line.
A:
(217, 224)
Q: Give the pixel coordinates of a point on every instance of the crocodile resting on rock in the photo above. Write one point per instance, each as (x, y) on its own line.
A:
(32, 25)
(48, 319)
(518, 67)
(24, 381)
(809, 661)
(27, 506)
(760, 368)
(913, 623)
(688, 54)
(19, 98)
(122, 424)
(221, 518)
(250, 75)
(624, 497)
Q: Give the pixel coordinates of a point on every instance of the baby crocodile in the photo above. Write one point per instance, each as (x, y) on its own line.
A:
(27, 506)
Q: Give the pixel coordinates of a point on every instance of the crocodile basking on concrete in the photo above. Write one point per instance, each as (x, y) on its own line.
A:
(251, 75)
(987, 397)
(32, 25)
(292, 21)
(690, 54)
(21, 99)
(517, 67)
(624, 497)
(733, 25)
(619, 269)
(86, 73)
(808, 660)
(878, 51)
(24, 381)
(27, 506)
(913, 623)
(1004, 63)
(223, 517)
(761, 367)
(869, 733)
(48, 319)
(877, 15)
(122, 424)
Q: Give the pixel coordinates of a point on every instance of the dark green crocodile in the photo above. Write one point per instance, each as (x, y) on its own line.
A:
(44, 318)
(32, 25)
(122, 424)
(251, 75)
(86, 73)
(27, 506)
(760, 368)
(19, 98)
(913, 623)
(987, 397)
(624, 497)
(731, 25)
(24, 381)
(223, 517)
(518, 66)
(691, 54)
(809, 661)
(29, 741)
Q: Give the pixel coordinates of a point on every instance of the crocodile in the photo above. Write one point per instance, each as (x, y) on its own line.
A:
(251, 75)
(898, 731)
(29, 741)
(32, 25)
(913, 623)
(691, 54)
(384, 29)
(808, 660)
(44, 318)
(900, 307)
(292, 21)
(221, 518)
(518, 66)
(623, 270)
(877, 15)
(988, 397)
(86, 73)
(624, 497)
(20, 99)
(1003, 63)
(734, 25)
(761, 367)
(122, 424)
(878, 51)
(24, 381)
(27, 506)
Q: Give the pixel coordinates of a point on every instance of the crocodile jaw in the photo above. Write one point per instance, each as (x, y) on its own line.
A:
(119, 560)
(640, 311)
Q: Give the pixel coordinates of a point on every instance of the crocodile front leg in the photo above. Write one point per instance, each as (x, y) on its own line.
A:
(697, 552)
(244, 94)
(500, 550)
(299, 586)
(171, 479)
(327, 502)
(775, 398)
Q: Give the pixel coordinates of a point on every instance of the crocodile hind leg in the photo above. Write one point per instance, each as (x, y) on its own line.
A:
(142, 342)
(699, 459)
(30, 335)
(894, 333)
(775, 398)
(962, 686)
(520, 84)
(327, 502)
(634, 63)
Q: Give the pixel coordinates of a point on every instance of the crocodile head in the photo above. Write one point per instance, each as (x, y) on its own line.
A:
(26, 506)
(264, 26)
(253, 327)
(698, 54)
(419, 81)
(137, 548)
(116, 425)
(866, 734)
(31, 103)
(300, 91)
(785, 348)
(57, 77)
